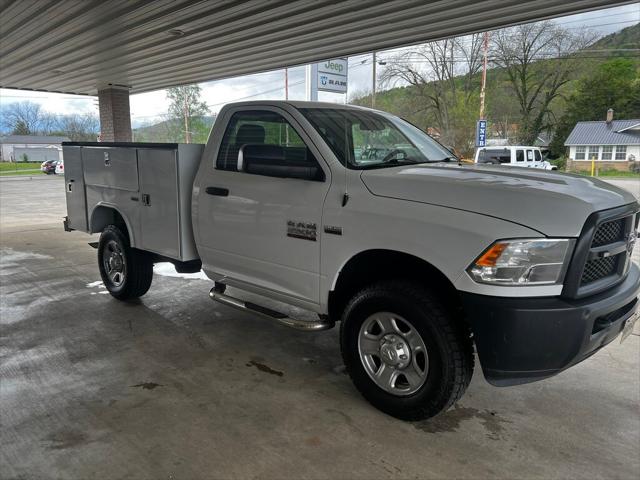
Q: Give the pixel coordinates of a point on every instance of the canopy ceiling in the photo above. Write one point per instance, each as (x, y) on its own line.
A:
(78, 46)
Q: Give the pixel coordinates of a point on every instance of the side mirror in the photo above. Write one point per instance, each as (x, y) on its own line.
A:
(282, 162)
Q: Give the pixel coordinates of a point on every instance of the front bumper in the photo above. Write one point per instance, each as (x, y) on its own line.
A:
(521, 340)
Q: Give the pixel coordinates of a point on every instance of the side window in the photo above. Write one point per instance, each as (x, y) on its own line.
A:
(538, 155)
(494, 156)
(519, 155)
(529, 155)
(261, 142)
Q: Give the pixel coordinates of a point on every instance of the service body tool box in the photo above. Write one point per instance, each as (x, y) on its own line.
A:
(148, 184)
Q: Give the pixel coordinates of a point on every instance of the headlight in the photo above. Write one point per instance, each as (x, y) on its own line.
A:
(523, 262)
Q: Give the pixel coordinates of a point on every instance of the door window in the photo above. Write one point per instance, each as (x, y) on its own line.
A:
(270, 146)
(519, 155)
(538, 155)
(529, 155)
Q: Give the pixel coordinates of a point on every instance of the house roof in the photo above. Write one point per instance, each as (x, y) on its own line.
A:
(618, 132)
(33, 139)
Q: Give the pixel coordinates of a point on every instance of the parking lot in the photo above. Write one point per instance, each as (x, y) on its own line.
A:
(177, 386)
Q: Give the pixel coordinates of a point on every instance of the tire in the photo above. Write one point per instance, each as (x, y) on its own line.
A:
(130, 272)
(446, 367)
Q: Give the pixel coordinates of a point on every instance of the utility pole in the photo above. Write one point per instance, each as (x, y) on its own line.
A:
(373, 82)
(484, 75)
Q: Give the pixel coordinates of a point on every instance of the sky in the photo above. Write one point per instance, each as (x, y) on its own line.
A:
(149, 108)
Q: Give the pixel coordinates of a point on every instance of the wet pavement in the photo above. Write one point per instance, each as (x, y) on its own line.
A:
(176, 386)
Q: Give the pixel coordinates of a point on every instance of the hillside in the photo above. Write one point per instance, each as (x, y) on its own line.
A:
(623, 39)
(172, 130)
(626, 38)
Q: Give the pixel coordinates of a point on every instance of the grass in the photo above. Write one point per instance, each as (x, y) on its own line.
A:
(15, 166)
(610, 174)
(13, 173)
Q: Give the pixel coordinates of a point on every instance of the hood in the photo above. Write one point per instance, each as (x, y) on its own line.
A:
(555, 204)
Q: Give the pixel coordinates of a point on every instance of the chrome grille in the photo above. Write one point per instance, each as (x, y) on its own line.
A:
(609, 232)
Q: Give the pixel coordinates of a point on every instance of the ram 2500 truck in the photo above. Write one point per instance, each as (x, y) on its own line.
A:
(362, 218)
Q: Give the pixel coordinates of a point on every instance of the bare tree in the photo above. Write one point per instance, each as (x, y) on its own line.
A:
(26, 114)
(539, 59)
(443, 75)
(79, 127)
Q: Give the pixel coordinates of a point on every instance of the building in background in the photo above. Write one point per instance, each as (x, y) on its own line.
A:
(31, 148)
(615, 144)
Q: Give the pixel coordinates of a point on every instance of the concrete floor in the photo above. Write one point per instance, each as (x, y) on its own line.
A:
(176, 386)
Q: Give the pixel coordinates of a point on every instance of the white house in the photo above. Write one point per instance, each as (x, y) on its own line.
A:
(30, 148)
(614, 144)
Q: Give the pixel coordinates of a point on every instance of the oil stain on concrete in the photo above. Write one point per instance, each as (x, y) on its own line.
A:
(147, 385)
(264, 368)
(65, 439)
(451, 420)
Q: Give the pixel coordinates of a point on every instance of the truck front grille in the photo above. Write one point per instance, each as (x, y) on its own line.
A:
(599, 268)
(609, 232)
(602, 255)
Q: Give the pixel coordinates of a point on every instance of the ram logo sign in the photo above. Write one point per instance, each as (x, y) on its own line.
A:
(332, 75)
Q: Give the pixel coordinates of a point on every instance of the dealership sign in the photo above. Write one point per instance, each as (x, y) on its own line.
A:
(332, 75)
(481, 133)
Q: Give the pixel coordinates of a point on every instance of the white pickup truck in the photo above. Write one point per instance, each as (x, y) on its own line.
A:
(362, 218)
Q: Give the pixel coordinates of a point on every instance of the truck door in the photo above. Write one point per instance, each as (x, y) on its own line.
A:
(538, 162)
(257, 225)
(530, 161)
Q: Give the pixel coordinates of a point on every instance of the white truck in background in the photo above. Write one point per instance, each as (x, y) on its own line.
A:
(513, 155)
(362, 218)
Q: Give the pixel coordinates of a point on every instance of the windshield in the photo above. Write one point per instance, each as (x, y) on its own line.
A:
(363, 139)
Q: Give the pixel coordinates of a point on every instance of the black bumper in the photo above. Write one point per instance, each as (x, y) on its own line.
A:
(521, 340)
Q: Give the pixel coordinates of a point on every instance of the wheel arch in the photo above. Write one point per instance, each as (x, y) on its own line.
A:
(105, 214)
(370, 266)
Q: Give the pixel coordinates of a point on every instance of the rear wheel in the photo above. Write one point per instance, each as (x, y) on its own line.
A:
(404, 351)
(126, 272)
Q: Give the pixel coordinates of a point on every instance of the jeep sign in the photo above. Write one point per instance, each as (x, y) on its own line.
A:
(332, 75)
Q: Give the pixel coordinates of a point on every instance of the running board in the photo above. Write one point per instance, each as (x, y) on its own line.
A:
(281, 318)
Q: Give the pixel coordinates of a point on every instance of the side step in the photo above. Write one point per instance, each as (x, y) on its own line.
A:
(281, 318)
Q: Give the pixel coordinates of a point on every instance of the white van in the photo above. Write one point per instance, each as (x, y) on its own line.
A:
(514, 155)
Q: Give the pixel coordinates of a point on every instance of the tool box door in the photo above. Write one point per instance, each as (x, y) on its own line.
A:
(74, 187)
(159, 201)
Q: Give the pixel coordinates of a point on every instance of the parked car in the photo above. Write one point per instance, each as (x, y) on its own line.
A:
(422, 260)
(516, 155)
(48, 166)
(59, 168)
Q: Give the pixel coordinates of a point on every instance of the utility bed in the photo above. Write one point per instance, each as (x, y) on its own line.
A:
(148, 184)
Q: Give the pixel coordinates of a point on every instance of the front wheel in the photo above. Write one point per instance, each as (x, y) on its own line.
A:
(126, 272)
(404, 351)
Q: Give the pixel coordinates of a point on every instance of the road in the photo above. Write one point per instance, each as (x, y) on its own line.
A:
(176, 386)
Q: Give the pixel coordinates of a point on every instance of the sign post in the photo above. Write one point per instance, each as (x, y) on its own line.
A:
(481, 133)
(311, 79)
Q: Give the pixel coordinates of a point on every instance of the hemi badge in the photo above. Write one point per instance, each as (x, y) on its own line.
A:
(333, 230)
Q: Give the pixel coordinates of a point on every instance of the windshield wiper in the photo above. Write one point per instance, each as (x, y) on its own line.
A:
(444, 160)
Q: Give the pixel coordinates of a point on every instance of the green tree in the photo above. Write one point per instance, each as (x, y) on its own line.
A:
(20, 128)
(614, 84)
(187, 105)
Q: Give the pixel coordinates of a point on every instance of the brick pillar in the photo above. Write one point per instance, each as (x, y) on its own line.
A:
(115, 116)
